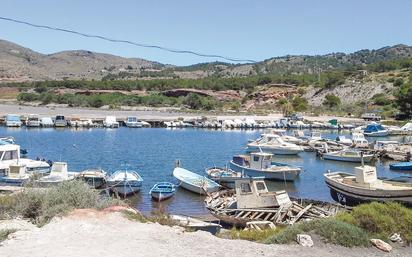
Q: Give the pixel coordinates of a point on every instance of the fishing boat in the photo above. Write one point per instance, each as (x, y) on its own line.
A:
(251, 200)
(33, 121)
(13, 120)
(133, 122)
(359, 140)
(58, 174)
(365, 186)
(405, 166)
(95, 178)
(46, 122)
(110, 122)
(195, 224)
(344, 140)
(224, 176)
(348, 155)
(162, 191)
(60, 121)
(125, 182)
(375, 130)
(15, 175)
(260, 164)
(194, 182)
(274, 144)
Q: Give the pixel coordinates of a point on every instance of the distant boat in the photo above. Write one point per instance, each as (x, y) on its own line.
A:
(375, 130)
(162, 191)
(364, 186)
(60, 121)
(272, 143)
(95, 178)
(224, 176)
(125, 182)
(260, 164)
(195, 182)
(405, 166)
(13, 120)
(33, 120)
(46, 122)
(133, 122)
(110, 122)
(348, 155)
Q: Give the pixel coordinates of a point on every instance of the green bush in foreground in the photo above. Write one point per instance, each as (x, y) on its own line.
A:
(4, 233)
(41, 205)
(252, 235)
(381, 220)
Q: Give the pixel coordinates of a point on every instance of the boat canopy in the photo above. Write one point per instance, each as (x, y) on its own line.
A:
(12, 117)
(131, 119)
(59, 117)
(9, 152)
(374, 128)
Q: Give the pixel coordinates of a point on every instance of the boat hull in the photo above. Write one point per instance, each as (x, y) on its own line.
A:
(197, 189)
(288, 175)
(376, 134)
(346, 158)
(161, 196)
(125, 188)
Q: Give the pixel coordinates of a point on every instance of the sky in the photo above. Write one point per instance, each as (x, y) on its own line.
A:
(242, 29)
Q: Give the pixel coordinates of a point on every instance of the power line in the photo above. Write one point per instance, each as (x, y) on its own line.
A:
(127, 41)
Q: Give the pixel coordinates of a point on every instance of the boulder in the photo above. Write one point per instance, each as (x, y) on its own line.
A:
(304, 240)
(381, 245)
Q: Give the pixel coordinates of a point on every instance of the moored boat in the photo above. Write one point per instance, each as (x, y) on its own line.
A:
(405, 166)
(272, 143)
(95, 178)
(60, 121)
(162, 191)
(124, 182)
(13, 120)
(133, 122)
(110, 122)
(375, 130)
(15, 175)
(260, 164)
(58, 174)
(33, 121)
(194, 182)
(348, 155)
(224, 176)
(365, 186)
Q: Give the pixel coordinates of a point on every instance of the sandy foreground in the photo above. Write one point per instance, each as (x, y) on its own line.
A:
(161, 114)
(92, 233)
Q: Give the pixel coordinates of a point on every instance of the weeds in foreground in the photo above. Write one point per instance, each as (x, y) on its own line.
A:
(4, 233)
(251, 235)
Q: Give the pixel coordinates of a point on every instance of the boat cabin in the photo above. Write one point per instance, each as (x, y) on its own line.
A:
(258, 160)
(366, 175)
(253, 193)
(59, 169)
(17, 171)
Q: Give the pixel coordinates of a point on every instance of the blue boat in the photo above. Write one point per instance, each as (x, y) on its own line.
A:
(162, 191)
(401, 166)
(375, 130)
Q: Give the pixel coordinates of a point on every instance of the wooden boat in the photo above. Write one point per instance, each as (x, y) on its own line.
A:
(124, 182)
(364, 186)
(406, 166)
(195, 224)
(252, 201)
(348, 155)
(195, 182)
(162, 191)
(224, 176)
(95, 178)
(260, 165)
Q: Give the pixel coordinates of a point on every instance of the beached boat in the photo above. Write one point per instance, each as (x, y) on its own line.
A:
(195, 224)
(162, 191)
(33, 121)
(224, 176)
(260, 164)
(58, 174)
(365, 186)
(375, 130)
(252, 201)
(13, 120)
(404, 166)
(194, 182)
(46, 122)
(95, 178)
(16, 175)
(110, 122)
(125, 182)
(273, 144)
(133, 122)
(60, 121)
(348, 155)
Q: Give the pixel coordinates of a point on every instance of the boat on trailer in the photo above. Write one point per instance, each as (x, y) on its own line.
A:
(194, 182)
(365, 186)
(124, 182)
(162, 191)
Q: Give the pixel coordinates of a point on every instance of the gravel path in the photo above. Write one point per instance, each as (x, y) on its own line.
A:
(91, 233)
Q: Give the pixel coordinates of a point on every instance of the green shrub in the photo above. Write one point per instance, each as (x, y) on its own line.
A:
(4, 233)
(331, 101)
(253, 235)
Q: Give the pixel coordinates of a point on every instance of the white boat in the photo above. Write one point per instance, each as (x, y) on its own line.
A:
(110, 122)
(58, 174)
(195, 182)
(395, 130)
(260, 164)
(33, 120)
(10, 155)
(125, 182)
(15, 175)
(284, 136)
(13, 120)
(229, 124)
(359, 140)
(60, 121)
(162, 191)
(133, 122)
(95, 178)
(46, 122)
(145, 124)
(365, 186)
(274, 144)
(348, 155)
(375, 130)
(224, 176)
(344, 140)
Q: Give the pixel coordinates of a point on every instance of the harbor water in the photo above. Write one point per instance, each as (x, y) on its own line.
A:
(153, 151)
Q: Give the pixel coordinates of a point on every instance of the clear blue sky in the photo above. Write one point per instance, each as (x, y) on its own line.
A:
(238, 28)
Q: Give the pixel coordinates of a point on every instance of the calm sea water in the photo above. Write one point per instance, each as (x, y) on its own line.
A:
(153, 151)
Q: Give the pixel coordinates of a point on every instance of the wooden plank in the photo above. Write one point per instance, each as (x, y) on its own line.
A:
(254, 215)
(260, 215)
(267, 216)
(247, 214)
(300, 214)
(239, 214)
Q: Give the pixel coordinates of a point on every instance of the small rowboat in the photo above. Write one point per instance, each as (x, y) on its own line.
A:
(348, 155)
(125, 182)
(195, 182)
(162, 191)
(223, 176)
(407, 166)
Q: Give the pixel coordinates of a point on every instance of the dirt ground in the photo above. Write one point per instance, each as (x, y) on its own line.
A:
(92, 233)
